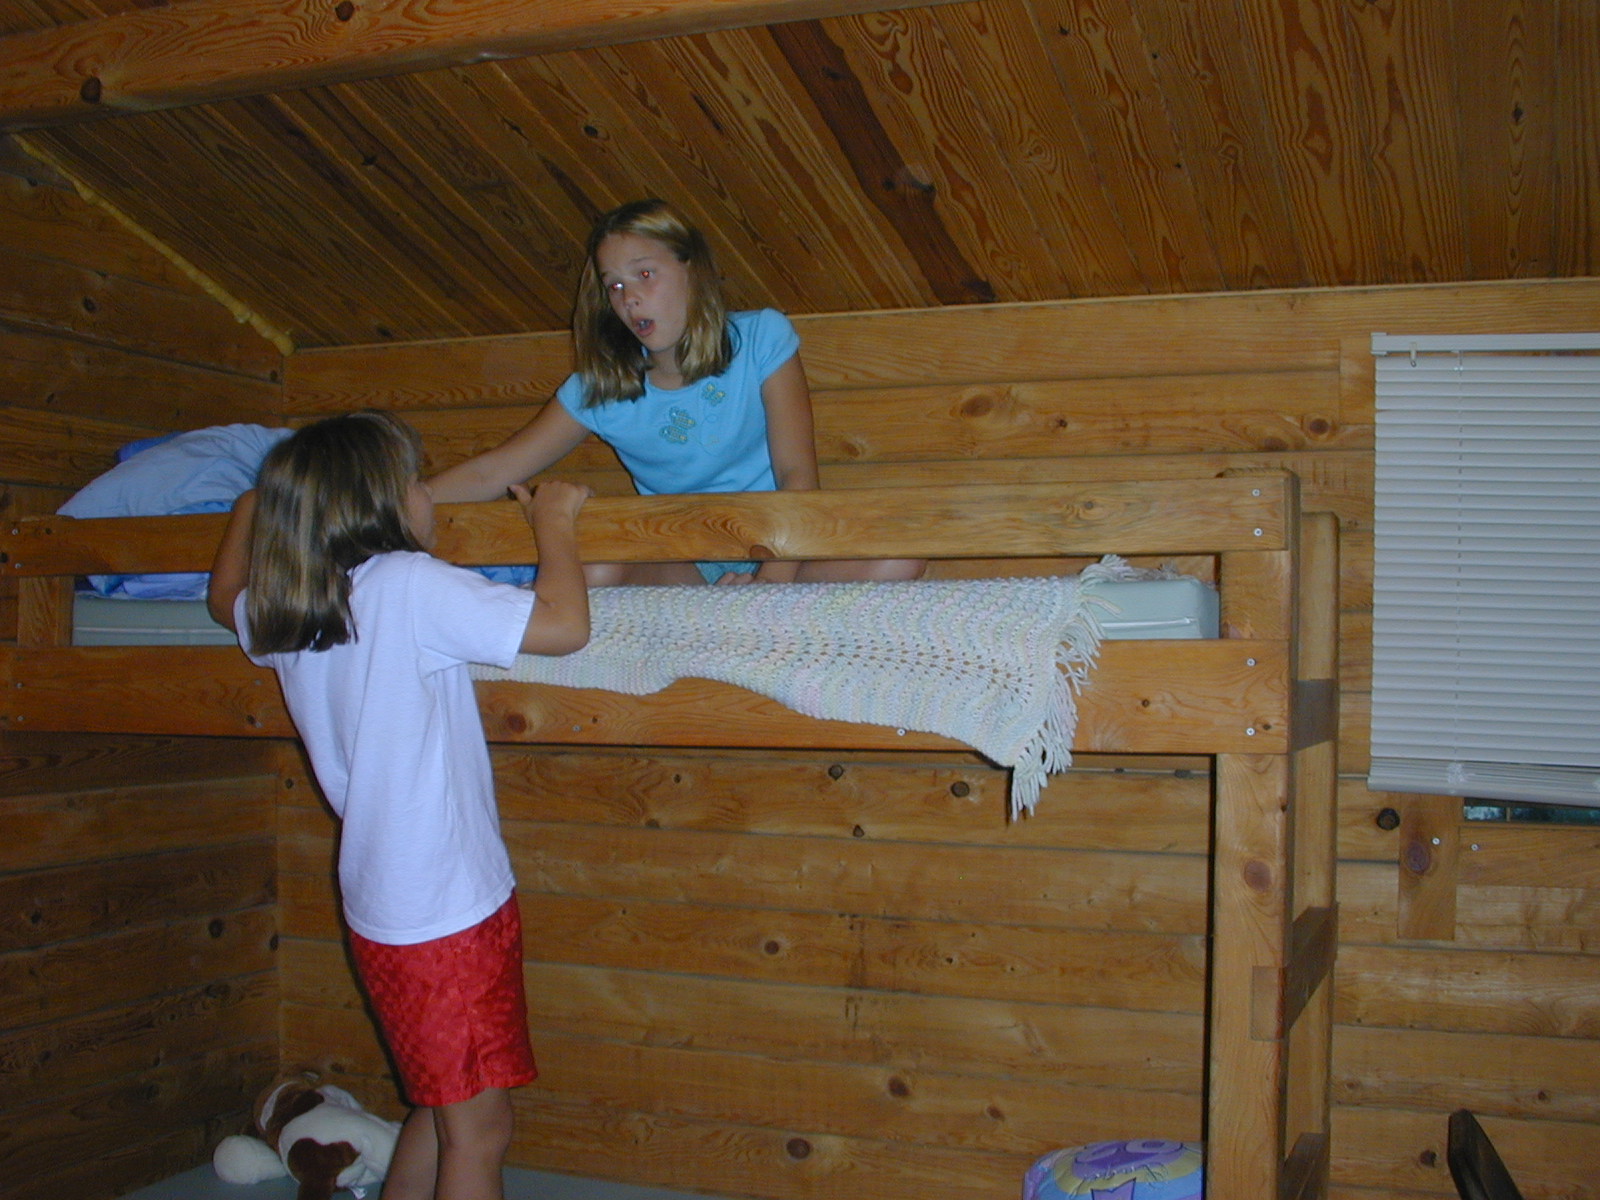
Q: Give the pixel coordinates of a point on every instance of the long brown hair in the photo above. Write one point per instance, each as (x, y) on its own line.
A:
(608, 356)
(328, 497)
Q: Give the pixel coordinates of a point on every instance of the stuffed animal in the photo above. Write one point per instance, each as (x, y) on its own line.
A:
(319, 1135)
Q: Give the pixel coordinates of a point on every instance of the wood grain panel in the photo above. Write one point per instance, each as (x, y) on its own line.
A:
(981, 1037)
(1107, 76)
(59, 450)
(1172, 415)
(946, 154)
(94, 898)
(38, 218)
(1509, 1075)
(214, 49)
(1415, 182)
(1390, 1149)
(78, 379)
(1576, 129)
(895, 1103)
(1217, 114)
(904, 199)
(746, 1160)
(187, 326)
(62, 763)
(419, 220)
(1508, 132)
(1140, 338)
(1229, 694)
(1032, 887)
(1318, 99)
(124, 1039)
(846, 797)
(1039, 135)
(1156, 972)
(57, 829)
(1468, 991)
(1141, 517)
(68, 980)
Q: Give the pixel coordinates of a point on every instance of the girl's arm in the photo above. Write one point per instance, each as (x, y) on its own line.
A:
(559, 623)
(791, 443)
(230, 569)
(549, 437)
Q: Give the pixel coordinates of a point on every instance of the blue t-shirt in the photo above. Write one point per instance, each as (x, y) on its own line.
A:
(710, 436)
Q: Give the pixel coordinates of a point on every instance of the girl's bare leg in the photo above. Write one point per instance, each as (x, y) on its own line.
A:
(473, 1138)
(414, 1165)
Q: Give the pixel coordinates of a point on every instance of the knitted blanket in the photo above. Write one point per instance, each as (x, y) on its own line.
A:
(993, 663)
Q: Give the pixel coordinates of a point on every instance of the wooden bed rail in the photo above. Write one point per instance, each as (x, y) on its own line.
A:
(1204, 696)
(1204, 516)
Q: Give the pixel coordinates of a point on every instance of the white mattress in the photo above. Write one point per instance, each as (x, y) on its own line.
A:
(1181, 607)
(107, 621)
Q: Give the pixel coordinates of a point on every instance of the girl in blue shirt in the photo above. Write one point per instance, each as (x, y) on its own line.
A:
(691, 397)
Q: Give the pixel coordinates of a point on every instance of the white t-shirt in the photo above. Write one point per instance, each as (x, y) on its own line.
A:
(392, 726)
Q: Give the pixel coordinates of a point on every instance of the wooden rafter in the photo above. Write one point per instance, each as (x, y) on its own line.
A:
(208, 50)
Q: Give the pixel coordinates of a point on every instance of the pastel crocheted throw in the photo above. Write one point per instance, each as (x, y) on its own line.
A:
(993, 663)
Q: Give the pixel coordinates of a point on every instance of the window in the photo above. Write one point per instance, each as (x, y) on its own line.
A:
(1486, 588)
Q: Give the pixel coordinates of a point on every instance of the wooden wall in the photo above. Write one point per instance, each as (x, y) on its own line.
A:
(813, 976)
(138, 986)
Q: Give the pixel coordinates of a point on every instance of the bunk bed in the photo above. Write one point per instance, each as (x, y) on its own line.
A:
(1260, 700)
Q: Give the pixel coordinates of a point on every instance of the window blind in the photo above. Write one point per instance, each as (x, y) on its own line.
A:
(1486, 587)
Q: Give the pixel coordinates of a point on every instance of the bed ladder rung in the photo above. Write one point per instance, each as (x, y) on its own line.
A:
(1305, 1171)
(1281, 993)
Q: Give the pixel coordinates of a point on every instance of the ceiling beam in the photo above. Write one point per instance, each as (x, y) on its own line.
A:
(200, 51)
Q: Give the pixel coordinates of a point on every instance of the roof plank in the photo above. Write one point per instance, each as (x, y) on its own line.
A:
(207, 50)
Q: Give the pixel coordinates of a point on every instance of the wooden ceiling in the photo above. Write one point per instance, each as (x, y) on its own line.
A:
(411, 182)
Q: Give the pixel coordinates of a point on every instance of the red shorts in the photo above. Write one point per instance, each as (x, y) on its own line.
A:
(452, 1010)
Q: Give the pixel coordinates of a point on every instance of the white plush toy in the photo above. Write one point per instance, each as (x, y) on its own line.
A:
(319, 1135)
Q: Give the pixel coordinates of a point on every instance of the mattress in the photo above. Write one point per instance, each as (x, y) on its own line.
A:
(112, 621)
(1179, 607)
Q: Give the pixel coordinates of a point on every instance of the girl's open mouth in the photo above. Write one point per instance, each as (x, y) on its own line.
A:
(642, 328)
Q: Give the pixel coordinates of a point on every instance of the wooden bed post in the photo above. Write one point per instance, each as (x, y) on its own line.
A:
(1274, 920)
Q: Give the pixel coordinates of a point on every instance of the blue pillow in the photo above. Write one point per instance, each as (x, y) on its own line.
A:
(204, 470)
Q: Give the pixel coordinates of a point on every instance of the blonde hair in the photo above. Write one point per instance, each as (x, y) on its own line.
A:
(608, 357)
(329, 497)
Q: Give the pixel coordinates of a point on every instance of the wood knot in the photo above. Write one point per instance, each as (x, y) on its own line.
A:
(899, 1087)
(516, 722)
(1416, 857)
(835, 771)
(89, 93)
(344, 10)
(1258, 876)
(960, 788)
(798, 1148)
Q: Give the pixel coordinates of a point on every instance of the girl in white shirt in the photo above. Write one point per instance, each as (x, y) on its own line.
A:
(324, 573)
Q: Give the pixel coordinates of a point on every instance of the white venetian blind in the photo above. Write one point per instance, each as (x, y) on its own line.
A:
(1486, 588)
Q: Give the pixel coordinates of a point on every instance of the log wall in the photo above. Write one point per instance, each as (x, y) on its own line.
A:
(768, 976)
(138, 890)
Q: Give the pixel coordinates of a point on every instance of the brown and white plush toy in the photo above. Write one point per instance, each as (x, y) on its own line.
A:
(319, 1135)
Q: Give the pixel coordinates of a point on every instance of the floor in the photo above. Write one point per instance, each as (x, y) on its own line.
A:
(202, 1184)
